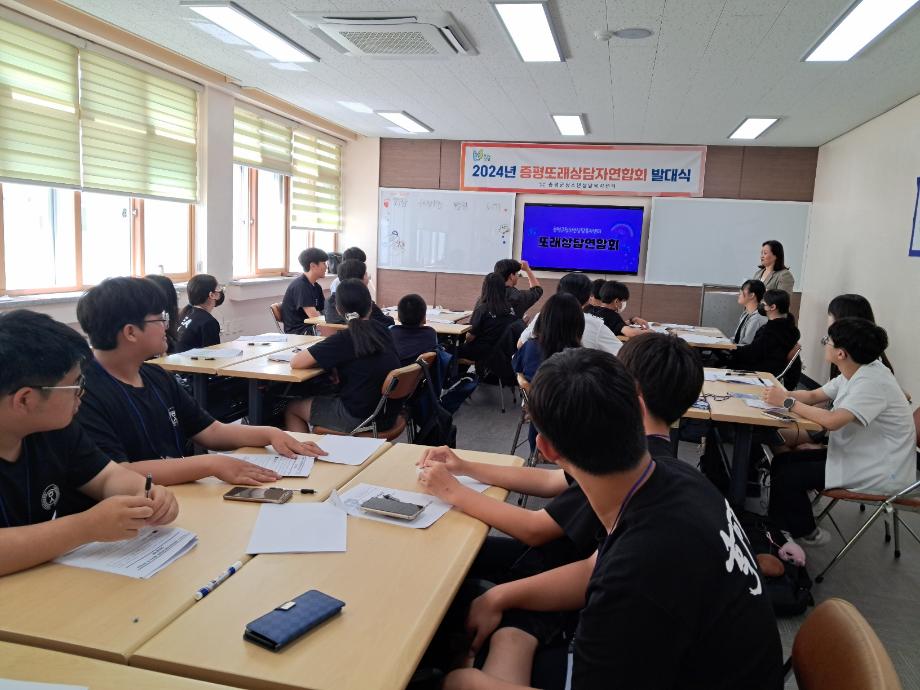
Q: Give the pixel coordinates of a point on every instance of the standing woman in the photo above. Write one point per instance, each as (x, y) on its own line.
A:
(772, 271)
(197, 326)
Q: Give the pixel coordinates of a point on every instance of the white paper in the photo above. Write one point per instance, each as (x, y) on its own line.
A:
(677, 326)
(298, 528)
(433, 311)
(348, 450)
(148, 553)
(7, 684)
(263, 338)
(702, 339)
(435, 508)
(283, 356)
(759, 404)
(746, 380)
(298, 466)
(212, 353)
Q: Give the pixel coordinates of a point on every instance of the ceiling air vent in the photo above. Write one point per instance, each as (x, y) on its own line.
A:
(372, 34)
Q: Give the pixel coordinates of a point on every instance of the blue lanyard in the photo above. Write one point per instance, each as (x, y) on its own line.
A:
(137, 412)
(6, 518)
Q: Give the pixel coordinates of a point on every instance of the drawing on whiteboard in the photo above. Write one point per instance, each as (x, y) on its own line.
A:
(400, 203)
(461, 206)
(430, 203)
(504, 233)
(494, 206)
(396, 243)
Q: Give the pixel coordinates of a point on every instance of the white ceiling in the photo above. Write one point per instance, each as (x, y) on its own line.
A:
(708, 65)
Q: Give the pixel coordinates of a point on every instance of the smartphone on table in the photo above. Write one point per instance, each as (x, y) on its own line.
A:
(259, 494)
(392, 507)
(779, 413)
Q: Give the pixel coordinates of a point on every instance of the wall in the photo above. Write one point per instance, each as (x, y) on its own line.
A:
(360, 182)
(865, 192)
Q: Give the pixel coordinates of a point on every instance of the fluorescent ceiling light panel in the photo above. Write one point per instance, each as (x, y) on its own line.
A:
(753, 127)
(866, 20)
(356, 107)
(569, 125)
(254, 31)
(528, 26)
(405, 121)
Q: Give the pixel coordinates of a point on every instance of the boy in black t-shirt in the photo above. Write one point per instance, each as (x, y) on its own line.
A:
(612, 298)
(304, 295)
(45, 458)
(520, 300)
(411, 336)
(354, 268)
(672, 599)
(138, 413)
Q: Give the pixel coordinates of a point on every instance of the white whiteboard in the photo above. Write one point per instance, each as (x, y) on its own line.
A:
(435, 230)
(717, 241)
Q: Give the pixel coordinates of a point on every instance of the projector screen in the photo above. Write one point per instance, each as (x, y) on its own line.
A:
(596, 239)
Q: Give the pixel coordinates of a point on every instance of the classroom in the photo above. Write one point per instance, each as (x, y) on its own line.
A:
(459, 344)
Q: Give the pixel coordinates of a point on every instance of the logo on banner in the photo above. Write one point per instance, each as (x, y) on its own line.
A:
(481, 155)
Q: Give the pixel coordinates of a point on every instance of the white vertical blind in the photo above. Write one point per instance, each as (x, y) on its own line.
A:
(316, 186)
(260, 142)
(139, 131)
(39, 128)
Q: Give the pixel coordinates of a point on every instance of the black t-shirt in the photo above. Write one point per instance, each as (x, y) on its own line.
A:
(769, 348)
(360, 379)
(148, 423)
(332, 315)
(678, 565)
(300, 293)
(412, 341)
(52, 465)
(612, 318)
(199, 328)
(522, 300)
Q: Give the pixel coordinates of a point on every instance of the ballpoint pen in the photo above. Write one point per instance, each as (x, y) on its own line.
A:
(213, 584)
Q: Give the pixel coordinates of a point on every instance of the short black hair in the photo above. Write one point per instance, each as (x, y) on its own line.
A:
(585, 403)
(312, 256)
(596, 286)
(113, 304)
(778, 299)
(352, 268)
(668, 371)
(36, 350)
(507, 267)
(411, 310)
(863, 341)
(172, 302)
(199, 288)
(576, 284)
(354, 253)
(754, 287)
(850, 304)
(614, 290)
(561, 324)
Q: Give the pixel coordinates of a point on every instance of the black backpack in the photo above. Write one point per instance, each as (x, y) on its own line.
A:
(435, 425)
(790, 593)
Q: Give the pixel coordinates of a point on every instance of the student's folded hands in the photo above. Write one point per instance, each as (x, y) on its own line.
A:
(235, 471)
(438, 481)
(288, 446)
(442, 455)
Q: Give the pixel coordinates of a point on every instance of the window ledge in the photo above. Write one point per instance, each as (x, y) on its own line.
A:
(242, 289)
(51, 298)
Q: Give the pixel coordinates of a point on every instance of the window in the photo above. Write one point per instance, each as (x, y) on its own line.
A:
(59, 240)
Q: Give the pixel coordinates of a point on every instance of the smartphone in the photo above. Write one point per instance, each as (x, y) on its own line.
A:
(255, 494)
(392, 507)
(778, 413)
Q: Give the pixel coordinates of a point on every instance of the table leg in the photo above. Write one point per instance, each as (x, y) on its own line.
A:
(255, 403)
(200, 390)
(741, 457)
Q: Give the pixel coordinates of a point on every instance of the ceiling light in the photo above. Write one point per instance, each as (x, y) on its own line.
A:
(632, 33)
(753, 127)
(356, 106)
(570, 125)
(254, 31)
(405, 121)
(861, 24)
(528, 25)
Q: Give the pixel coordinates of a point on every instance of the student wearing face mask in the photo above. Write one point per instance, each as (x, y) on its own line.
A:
(614, 296)
(769, 350)
(197, 326)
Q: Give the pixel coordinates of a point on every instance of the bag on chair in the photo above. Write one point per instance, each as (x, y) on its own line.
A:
(790, 590)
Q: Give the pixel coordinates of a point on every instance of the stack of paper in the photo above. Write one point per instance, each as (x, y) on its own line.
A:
(298, 528)
(283, 356)
(702, 339)
(263, 338)
(348, 450)
(211, 353)
(298, 466)
(148, 553)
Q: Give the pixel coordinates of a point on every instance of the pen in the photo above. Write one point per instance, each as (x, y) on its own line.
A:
(213, 584)
(202, 357)
(147, 485)
(251, 344)
(308, 491)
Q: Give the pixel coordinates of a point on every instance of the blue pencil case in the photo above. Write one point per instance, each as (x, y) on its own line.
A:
(292, 619)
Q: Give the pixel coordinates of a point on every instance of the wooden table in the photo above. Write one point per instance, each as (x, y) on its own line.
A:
(745, 418)
(19, 662)
(445, 315)
(452, 330)
(698, 330)
(396, 582)
(109, 616)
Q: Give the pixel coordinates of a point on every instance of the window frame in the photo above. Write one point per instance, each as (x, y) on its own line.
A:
(138, 259)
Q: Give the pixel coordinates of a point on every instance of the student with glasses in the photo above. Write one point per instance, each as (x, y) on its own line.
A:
(45, 458)
(139, 414)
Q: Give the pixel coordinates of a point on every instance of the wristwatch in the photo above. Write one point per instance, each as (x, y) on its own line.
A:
(789, 402)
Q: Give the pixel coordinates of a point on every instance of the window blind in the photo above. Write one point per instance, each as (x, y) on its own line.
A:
(316, 185)
(139, 131)
(39, 128)
(260, 142)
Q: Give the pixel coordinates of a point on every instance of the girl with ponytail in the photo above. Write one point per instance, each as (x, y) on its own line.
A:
(197, 326)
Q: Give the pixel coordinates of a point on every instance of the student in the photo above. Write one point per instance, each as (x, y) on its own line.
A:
(492, 316)
(354, 268)
(363, 355)
(613, 297)
(520, 300)
(669, 377)
(846, 305)
(562, 326)
(595, 300)
(45, 457)
(871, 441)
(197, 326)
(672, 598)
(137, 413)
(596, 336)
(769, 350)
(411, 336)
(172, 308)
(351, 253)
(749, 297)
(304, 296)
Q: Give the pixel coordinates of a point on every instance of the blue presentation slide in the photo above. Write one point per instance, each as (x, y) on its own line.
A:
(596, 239)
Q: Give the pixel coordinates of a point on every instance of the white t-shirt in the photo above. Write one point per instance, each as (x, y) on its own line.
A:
(597, 336)
(875, 453)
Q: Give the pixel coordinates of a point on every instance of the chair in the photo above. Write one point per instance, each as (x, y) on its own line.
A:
(837, 649)
(524, 385)
(497, 362)
(276, 315)
(400, 385)
(793, 369)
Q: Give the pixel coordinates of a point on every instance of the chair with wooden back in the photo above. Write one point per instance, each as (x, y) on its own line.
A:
(276, 315)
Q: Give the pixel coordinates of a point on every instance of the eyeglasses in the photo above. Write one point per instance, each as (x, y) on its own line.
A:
(79, 386)
(826, 340)
(164, 319)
